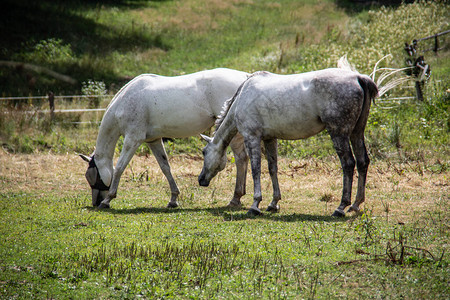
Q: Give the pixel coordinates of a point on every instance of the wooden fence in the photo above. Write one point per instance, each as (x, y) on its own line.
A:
(420, 69)
(52, 101)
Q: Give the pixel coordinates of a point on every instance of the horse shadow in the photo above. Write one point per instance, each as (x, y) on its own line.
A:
(229, 214)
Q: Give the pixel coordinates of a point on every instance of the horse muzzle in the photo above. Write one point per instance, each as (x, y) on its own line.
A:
(202, 181)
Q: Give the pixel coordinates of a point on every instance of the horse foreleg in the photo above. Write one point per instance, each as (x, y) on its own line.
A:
(254, 151)
(271, 154)
(241, 158)
(342, 146)
(130, 146)
(159, 152)
(362, 164)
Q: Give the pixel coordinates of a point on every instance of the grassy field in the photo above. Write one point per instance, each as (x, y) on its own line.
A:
(54, 245)
(288, 37)
(113, 41)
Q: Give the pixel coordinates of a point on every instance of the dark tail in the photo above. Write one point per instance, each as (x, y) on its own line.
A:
(370, 93)
(369, 86)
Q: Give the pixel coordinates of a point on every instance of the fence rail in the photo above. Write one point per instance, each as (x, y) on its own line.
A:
(436, 36)
(74, 110)
(55, 97)
(51, 98)
(52, 107)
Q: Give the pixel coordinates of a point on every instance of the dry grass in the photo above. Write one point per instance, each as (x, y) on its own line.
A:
(397, 191)
(399, 247)
(203, 16)
(192, 16)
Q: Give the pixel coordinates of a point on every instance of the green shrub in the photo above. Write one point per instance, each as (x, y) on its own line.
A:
(50, 52)
(94, 89)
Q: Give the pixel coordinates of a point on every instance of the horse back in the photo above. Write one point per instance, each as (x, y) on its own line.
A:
(300, 105)
(178, 106)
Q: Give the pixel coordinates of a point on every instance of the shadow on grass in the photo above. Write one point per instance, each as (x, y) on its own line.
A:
(355, 7)
(25, 21)
(229, 214)
(78, 24)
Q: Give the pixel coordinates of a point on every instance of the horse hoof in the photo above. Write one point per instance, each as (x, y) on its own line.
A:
(234, 204)
(103, 206)
(254, 212)
(356, 210)
(172, 205)
(273, 209)
(97, 202)
(338, 214)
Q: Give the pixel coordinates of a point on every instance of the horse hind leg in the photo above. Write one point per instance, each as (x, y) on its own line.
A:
(160, 154)
(253, 145)
(271, 154)
(362, 164)
(342, 146)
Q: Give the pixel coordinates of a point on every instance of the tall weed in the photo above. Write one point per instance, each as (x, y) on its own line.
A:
(383, 32)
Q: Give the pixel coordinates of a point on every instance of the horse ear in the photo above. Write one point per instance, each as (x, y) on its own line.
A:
(206, 138)
(85, 157)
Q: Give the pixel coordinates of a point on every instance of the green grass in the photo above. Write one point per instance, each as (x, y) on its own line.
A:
(55, 245)
(117, 40)
(171, 37)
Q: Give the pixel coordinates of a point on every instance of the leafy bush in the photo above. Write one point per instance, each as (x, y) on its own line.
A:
(50, 52)
(95, 89)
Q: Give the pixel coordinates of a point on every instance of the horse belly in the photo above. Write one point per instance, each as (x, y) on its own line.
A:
(177, 124)
(184, 129)
(290, 121)
(294, 129)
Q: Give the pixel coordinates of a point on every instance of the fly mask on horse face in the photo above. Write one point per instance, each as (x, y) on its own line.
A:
(96, 183)
(92, 175)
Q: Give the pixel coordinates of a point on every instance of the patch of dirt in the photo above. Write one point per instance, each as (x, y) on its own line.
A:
(303, 183)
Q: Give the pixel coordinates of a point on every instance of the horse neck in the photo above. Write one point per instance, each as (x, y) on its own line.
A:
(226, 131)
(108, 135)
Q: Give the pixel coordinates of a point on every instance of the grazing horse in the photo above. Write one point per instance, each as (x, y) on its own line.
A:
(267, 107)
(152, 107)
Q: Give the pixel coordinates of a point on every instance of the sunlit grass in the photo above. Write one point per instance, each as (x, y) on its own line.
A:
(56, 244)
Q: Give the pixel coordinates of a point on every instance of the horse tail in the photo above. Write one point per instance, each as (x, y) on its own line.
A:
(370, 90)
(227, 104)
(369, 86)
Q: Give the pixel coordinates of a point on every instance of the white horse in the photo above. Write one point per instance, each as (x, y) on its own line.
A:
(150, 108)
(268, 107)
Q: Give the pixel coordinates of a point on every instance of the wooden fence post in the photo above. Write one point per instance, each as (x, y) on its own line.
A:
(421, 70)
(436, 44)
(419, 93)
(51, 102)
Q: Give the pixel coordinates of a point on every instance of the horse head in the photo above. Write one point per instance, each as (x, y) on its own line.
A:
(98, 187)
(215, 160)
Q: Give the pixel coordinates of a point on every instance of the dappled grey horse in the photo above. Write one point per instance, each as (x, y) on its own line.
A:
(268, 107)
(152, 107)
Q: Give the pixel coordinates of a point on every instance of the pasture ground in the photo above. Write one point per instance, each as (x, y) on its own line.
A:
(55, 245)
